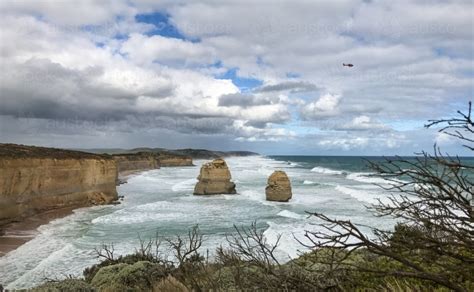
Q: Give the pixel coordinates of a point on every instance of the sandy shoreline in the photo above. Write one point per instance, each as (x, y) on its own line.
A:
(17, 233)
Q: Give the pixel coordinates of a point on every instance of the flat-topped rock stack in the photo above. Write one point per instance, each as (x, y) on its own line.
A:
(214, 178)
(278, 187)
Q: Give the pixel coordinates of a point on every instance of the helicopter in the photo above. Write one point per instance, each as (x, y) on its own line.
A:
(347, 65)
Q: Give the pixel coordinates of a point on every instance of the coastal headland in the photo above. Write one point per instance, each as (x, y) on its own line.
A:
(38, 184)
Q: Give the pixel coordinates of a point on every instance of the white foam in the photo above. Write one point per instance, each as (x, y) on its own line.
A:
(150, 212)
(366, 177)
(266, 171)
(324, 170)
(288, 246)
(186, 185)
(363, 195)
(256, 196)
(309, 182)
(289, 214)
(371, 178)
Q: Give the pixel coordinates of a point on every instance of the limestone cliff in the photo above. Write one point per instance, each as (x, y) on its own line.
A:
(36, 179)
(278, 187)
(127, 163)
(214, 178)
(171, 160)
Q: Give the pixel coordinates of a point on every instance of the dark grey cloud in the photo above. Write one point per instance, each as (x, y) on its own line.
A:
(292, 86)
(244, 100)
(183, 124)
(40, 88)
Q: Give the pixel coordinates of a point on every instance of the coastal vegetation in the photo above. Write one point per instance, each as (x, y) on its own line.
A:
(431, 248)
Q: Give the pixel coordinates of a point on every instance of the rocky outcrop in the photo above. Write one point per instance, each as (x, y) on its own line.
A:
(127, 163)
(36, 179)
(214, 178)
(278, 187)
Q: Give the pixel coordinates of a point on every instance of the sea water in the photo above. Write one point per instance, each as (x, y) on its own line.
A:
(162, 202)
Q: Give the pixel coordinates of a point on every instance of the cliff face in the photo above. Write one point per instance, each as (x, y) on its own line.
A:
(36, 179)
(136, 162)
(175, 160)
(130, 162)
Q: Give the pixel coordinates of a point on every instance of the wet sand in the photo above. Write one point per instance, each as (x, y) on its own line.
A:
(17, 233)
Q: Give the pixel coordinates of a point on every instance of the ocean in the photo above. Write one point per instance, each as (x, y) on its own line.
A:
(162, 202)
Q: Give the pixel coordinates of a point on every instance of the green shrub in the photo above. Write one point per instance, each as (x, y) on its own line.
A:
(90, 272)
(140, 276)
(74, 285)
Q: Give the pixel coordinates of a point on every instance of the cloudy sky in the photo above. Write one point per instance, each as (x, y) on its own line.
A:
(256, 75)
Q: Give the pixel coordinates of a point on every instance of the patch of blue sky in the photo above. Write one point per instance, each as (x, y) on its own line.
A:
(405, 125)
(163, 26)
(245, 84)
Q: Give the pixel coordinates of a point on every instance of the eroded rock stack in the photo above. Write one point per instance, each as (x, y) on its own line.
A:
(214, 178)
(278, 187)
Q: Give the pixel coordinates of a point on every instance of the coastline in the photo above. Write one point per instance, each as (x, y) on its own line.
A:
(18, 233)
(15, 234)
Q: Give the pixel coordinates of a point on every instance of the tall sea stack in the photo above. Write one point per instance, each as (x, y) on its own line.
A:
(214, 178)
(278, 187)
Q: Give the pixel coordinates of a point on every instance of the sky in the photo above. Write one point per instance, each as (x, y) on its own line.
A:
(264, 76)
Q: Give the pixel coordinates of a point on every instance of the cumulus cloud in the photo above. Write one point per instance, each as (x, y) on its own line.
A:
(247, 132)
(356, 142)
(399, 58)
(363, 123)
(55, 80)
(324, 107)
(95, 62)
(146, 50)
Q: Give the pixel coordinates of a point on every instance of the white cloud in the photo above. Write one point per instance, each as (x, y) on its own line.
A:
(374, 142)
(442, 139)
(247, 132)
(325, 106)
(70, 13)
(57, 75)
(145, 50)
(413, 60)
(363, 123)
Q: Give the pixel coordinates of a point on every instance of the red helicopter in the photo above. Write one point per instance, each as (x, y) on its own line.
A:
(347, 65)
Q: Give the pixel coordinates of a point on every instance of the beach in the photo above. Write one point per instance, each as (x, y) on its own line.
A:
(15, 234)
